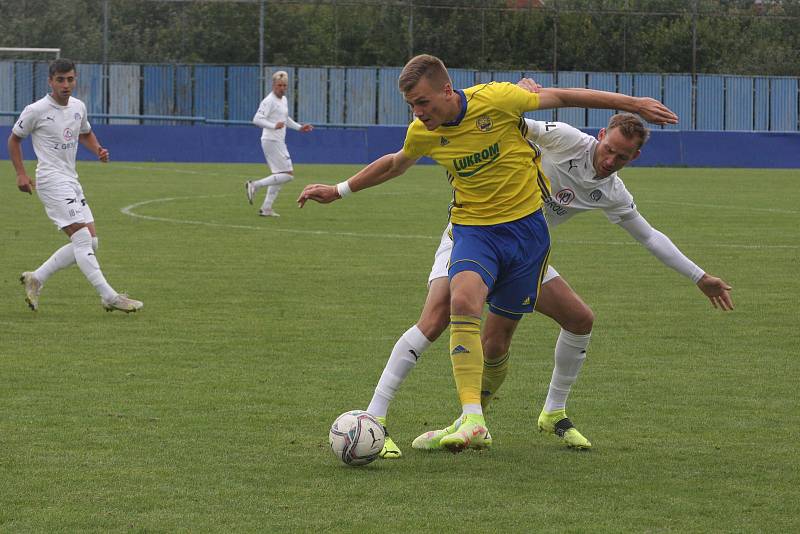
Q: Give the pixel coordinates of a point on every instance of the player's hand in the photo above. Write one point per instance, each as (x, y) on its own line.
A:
(717, 291)
(529, 85)
(654, 111)
(306, 128)
(279, 125)
(103, 154)
(24, 184)
(324, 194)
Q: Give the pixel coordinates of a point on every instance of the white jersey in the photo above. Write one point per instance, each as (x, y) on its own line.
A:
(54, 131)
(567, 155)
(271, 111)
(574, 185)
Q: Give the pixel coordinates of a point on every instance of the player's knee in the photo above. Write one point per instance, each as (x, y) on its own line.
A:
(580, 321)
(433, 322)
(495, 347)
(463, 303)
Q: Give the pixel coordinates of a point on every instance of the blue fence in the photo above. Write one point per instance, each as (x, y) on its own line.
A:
(361, 145)
(123, 92)
(369, 96)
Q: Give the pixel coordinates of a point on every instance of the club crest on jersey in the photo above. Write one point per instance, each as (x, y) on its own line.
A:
(77, 116)
(68, 134)
(565, 196)
(596, 195)
(484, 123)
(443, 141)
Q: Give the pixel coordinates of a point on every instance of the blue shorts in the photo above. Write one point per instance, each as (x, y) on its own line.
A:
(511, 258)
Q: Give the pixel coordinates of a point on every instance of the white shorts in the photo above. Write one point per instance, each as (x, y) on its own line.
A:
(277, 156)
(65, 204)
(442, 258)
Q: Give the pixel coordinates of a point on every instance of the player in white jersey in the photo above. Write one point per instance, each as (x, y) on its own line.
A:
(56, 124)
(273, 117)
(583, 176)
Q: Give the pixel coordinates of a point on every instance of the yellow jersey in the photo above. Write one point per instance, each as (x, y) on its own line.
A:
(495, 172)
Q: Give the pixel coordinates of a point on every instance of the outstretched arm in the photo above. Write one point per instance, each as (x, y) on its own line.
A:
(660, 246)
(382, 169)
(650, 109)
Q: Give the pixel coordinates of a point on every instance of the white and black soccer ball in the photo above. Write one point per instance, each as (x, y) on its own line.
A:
(356, 437)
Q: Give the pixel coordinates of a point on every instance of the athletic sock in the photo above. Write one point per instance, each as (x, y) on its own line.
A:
(570, 354)
(273, 179)
(61, 259)
(87, 262)
(272, 194)
(494, 373)
(466, 355)
(402, 360)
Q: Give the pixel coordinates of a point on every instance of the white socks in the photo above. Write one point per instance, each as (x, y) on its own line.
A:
(273, 179)
(87, 263)
(272, 194)
(569, 357)
(273, 182)
(404, 357)
(61, 259)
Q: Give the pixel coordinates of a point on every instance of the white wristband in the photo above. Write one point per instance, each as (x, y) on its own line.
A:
(343, 188)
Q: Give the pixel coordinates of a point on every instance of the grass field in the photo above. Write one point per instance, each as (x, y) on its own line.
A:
(209, 410)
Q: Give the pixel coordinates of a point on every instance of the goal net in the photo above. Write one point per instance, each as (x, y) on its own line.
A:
(23, 78)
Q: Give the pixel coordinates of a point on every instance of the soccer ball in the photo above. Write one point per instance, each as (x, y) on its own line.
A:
(356, 437)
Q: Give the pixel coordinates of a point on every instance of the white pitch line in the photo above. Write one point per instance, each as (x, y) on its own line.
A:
(730, 208)
(670, 202)
(711, 245)
(229, 175)
(128, 210)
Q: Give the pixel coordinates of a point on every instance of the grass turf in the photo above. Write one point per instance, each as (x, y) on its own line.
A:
(209, 409)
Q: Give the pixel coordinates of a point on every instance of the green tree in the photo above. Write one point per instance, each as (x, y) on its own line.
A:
(732, 36)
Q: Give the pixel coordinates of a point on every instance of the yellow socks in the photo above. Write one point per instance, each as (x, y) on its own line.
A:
(494, 373)
(466, 354)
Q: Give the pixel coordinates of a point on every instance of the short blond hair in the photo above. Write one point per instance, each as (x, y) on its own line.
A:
(631, 127)
(423, 66)
(280, 76)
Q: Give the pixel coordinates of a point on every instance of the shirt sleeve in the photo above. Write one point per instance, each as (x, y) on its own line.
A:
(291, 123)
(622, 207)
(85, 126)
(415, 145)
(26, 123)
(260, 118)
(516, 98)
(662, 248)
(556, 137)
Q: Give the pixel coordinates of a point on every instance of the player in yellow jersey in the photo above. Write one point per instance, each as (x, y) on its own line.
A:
(500, 238)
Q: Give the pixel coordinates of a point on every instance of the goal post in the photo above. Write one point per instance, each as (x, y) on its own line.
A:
(21, 51)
